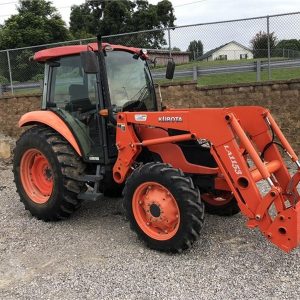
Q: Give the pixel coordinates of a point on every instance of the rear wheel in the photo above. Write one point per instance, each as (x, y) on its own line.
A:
(47, 171)
(163, 207)
(221, 203)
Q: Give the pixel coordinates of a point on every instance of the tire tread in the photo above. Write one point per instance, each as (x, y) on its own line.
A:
(193, 214)
(71, 168)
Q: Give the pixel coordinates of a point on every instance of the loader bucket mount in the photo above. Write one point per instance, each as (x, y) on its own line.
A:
(242, 144)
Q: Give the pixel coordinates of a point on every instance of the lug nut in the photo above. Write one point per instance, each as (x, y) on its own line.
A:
(258, 217)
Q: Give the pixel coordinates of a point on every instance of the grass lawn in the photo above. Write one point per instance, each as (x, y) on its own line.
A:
(28, 91)
(220, 79)
(216, 63)
(277, 74)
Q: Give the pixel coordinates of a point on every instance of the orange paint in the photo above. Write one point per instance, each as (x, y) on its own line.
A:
(50, 119)
(169, 139)
(36, 176)
(170, 152)
(51, 53)
(248, 146)
(236, 135)
(156, 211)
(282, 138)
(272, 167)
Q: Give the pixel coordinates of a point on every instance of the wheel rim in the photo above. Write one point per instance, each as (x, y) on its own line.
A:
(156, 211)
(36, 176)
(218, 199)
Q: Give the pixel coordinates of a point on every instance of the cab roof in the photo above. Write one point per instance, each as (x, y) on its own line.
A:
(51, 53)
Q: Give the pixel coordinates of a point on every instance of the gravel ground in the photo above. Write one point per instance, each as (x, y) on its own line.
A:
(94, 255)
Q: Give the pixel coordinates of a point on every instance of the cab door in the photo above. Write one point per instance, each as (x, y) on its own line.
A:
(73, 95)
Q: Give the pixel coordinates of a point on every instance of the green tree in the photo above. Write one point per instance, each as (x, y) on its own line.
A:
(259, 44)
(85, 18)
(121, 16)
(36, 22)
(196, 49)
(288, 48)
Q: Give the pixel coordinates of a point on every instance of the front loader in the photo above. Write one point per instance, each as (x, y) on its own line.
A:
(102, 131)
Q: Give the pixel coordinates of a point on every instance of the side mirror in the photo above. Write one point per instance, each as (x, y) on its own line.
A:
(89, 62)
(170, 69)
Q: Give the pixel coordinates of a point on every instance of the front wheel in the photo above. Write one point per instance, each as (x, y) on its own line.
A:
(163, 207)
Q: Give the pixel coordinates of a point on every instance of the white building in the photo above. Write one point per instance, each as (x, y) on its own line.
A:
(230, 51)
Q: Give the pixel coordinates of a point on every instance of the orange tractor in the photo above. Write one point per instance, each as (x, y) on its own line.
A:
(101, 131)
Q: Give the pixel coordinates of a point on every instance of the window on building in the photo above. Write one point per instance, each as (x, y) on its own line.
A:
(244, 56)
(222, 57)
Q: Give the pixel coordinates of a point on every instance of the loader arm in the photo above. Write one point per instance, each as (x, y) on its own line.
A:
(238, 136)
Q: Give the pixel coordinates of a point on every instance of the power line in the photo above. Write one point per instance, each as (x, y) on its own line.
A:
(3, 16)
(189, 3)
(6, 3)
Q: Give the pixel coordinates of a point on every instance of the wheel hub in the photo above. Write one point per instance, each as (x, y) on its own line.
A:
(36, 176)
(48, 173)
(155, 210)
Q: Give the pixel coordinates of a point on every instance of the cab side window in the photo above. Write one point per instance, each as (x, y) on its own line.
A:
(72, 89)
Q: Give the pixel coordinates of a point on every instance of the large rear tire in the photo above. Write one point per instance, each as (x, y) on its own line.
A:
(163, 207)
(46, 171)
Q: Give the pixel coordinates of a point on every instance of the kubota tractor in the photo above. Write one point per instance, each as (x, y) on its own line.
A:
(101, 130)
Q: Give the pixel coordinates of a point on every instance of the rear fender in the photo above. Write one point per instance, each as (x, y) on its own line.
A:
(52, 120)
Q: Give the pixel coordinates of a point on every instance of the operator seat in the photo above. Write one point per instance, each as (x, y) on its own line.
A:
(79, 99)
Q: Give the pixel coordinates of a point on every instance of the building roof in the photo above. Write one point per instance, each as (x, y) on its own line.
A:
(210, 52)
(166, 52)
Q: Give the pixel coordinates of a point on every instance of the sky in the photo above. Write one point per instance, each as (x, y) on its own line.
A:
(189, 11)
(203, 11)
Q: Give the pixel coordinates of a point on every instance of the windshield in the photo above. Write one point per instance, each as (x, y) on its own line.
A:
(129, 80)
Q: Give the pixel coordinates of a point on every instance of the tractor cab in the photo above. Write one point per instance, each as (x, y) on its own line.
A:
(77, 93)
(74, 90)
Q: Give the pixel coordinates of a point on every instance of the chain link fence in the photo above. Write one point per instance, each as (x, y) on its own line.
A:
(232, 51)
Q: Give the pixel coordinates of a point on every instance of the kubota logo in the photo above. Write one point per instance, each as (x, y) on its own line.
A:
(234, 163)
(170, 119)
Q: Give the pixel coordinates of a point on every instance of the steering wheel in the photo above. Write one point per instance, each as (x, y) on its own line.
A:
(86, 116)
(134, 105)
